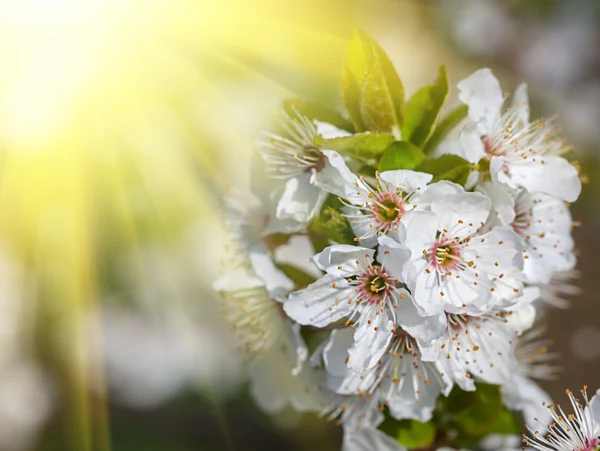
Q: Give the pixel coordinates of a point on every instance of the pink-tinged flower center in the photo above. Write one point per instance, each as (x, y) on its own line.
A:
(374, 285)
(590, 445)
(387, 210)
(522, 221)
(445, 256)
(457, 322)
(312, 158)
(490, 148)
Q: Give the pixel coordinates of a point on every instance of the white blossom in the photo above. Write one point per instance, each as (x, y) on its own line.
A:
(577, 431)
(454, 266)
(304, 170)
(370, 440)
(519, 153)
(363, 293)
(400, 380)
(478, 346)
(533, 362)
(252, 289)
(561, 285)
(544, 224)
(377, 211)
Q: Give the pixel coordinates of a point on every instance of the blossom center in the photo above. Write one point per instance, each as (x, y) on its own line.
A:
(522, 221)
(491, 148)
(590, 445)
(387, 210)
(312, 158)
(375, 285)
(446, 256)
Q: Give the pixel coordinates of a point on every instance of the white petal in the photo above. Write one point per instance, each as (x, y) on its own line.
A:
(424, 328)
(267, 384)
(407, 180)
(371, 339)
(528, 295)
(499, 176)
(595, 407)
(275, 281)
(320, 303)
(436, 190)
(457, 211)
(503, 204)
(297, 347)
(520, 106)
(239, 278)
(343, 260)
(556, 177)
(392, 256)
(421, 229)
(335, 351)
(336, 178)
(500, 442)
(287, 226)
(525, 395)
(472, 147)
(300, 200)
(370, 440)
(328, 131)
(482, 93)
(363, 227)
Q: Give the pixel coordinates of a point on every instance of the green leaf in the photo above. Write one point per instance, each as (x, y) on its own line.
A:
(299, 276)
(371, 88)
(318, 112)
(473, 413)
(318, 240)
(413, 434)
(506, 424)
(363, 146)
(332, 223)
(451, 120)
(351, 99)
(401, 155)
(275, 240)
(447, 167)
(423, 109)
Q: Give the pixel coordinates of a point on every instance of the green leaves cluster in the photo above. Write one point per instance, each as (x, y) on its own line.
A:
(387, 132)
(470, 416)
(460, 420)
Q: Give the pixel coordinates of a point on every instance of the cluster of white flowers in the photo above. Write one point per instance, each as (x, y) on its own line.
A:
(437, 287)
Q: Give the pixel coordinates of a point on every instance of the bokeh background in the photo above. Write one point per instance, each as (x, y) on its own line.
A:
(121, 125)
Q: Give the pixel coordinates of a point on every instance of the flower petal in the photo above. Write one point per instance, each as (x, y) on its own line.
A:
(407, 180)
(392, 256)
(595, 408)
(343, 260)
(463, 213)
(321, 303)
(328, 131)
(275, 281)
(370, 440)
(335, 351)
(520, 106)
(424, 328)
(471, 144)
(482, 93)
(300, 199)
(503, 204)
(556, 176)
(336, 178)
(371, 339)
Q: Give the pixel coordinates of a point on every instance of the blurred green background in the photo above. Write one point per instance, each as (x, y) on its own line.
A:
(122, 123)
